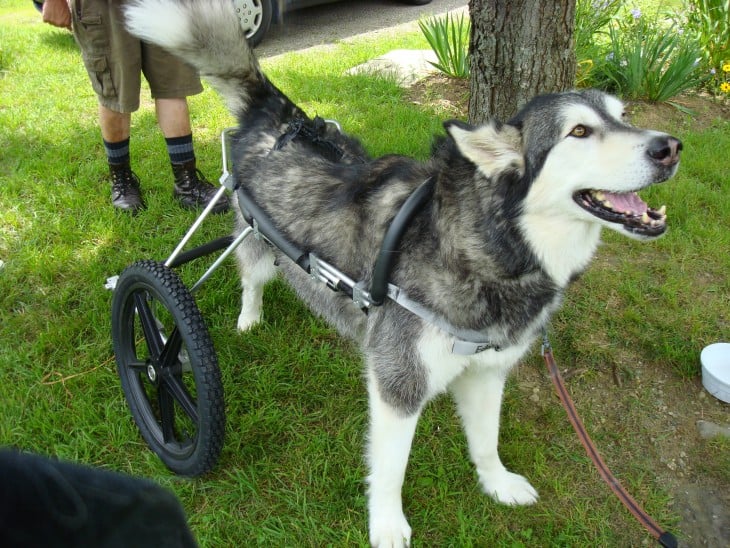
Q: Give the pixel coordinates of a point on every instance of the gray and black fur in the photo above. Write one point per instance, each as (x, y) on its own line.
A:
(512, 220)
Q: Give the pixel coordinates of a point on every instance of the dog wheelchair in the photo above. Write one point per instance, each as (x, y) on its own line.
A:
(165, 358)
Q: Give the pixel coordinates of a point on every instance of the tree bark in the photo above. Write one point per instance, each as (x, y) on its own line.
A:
(518, 49)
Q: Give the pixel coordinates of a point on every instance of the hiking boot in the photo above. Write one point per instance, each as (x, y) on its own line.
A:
(192, 190)
(126, 194)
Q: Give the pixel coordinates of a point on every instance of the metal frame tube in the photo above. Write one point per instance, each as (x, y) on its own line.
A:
(196, 225)
(242, 236)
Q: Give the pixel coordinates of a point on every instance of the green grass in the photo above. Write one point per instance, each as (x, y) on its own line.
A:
(291, 472)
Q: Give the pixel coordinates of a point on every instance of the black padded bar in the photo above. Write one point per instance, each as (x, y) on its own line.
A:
(391, 240)
(251, 211)
(201, 251)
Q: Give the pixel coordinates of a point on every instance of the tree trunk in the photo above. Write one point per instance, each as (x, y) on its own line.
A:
(518, 49)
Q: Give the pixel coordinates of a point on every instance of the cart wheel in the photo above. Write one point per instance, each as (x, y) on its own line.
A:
(168, 368)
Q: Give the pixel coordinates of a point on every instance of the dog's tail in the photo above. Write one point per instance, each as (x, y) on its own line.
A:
(206, 34)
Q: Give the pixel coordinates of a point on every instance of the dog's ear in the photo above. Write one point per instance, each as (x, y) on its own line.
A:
(492, 147)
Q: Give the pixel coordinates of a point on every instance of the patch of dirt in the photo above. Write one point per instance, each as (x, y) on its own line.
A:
(448, 97)
(646, 413)
(451, 96)
(696, 112)
(706, 509)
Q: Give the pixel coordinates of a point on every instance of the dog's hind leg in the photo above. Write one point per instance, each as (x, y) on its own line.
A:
(389, 444)
(478, 395)
(256, 267)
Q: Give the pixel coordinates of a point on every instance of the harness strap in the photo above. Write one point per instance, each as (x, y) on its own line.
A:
(467, 343)
(312, 131)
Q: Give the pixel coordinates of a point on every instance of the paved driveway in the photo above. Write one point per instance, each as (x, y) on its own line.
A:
(330, 22)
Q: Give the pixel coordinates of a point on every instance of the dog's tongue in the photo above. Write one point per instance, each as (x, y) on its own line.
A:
(626, 202)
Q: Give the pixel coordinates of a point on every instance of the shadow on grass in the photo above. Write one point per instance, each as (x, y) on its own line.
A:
(61, 39)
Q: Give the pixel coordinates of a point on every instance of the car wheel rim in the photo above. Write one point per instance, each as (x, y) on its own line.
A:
(250, 14)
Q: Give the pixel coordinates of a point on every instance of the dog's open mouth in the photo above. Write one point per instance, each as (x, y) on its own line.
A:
(625, 208)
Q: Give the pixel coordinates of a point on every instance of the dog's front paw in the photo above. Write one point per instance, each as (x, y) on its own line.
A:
(390, 531)
(246, 320)
(509, 488)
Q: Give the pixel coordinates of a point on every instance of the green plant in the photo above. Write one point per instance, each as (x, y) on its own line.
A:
(709, 22)
(648, 60)
(591, 33)
(448, 36)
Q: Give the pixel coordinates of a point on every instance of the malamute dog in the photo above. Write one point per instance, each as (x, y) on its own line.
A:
(513, 213)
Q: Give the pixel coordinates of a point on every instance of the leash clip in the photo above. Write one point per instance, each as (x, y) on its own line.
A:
(545, 342)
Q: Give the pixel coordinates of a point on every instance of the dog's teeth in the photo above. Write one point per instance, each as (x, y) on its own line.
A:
(645, 218)
(600, 196)
(663, 211)
(607, 204)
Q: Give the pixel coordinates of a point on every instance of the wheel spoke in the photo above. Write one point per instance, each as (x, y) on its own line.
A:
(174, 385)
(152, 335)
(167, 413)
(168, 358)
(140, 367)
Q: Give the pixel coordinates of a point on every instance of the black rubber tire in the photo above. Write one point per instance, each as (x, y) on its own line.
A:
(168, 368)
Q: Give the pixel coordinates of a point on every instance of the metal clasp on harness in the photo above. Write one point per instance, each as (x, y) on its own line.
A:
(322, 271)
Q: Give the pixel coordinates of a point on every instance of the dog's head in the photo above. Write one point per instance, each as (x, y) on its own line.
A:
(578, 159)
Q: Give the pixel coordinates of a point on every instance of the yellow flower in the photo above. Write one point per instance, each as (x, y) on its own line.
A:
(725, 86)
(726, 67)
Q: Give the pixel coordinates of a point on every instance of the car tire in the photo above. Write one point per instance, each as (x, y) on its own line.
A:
(255, 18)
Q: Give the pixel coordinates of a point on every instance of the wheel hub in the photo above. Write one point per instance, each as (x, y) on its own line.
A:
(151, 373)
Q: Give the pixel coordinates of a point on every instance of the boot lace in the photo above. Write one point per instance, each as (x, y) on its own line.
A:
(124, 181)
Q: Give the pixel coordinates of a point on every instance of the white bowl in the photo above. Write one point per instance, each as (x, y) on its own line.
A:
(715, 360)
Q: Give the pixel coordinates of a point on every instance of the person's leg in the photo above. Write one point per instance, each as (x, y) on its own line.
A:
(171, 82)
(113, 61)
(192, 190)
(173, 117)
(115, 131)
(115, 126)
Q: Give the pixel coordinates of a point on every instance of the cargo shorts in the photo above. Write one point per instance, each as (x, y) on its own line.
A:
(115, 60)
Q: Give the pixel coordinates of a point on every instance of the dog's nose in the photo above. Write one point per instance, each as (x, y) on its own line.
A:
(664, 150)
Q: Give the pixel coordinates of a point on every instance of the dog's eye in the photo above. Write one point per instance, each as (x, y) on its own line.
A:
(580, 131)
